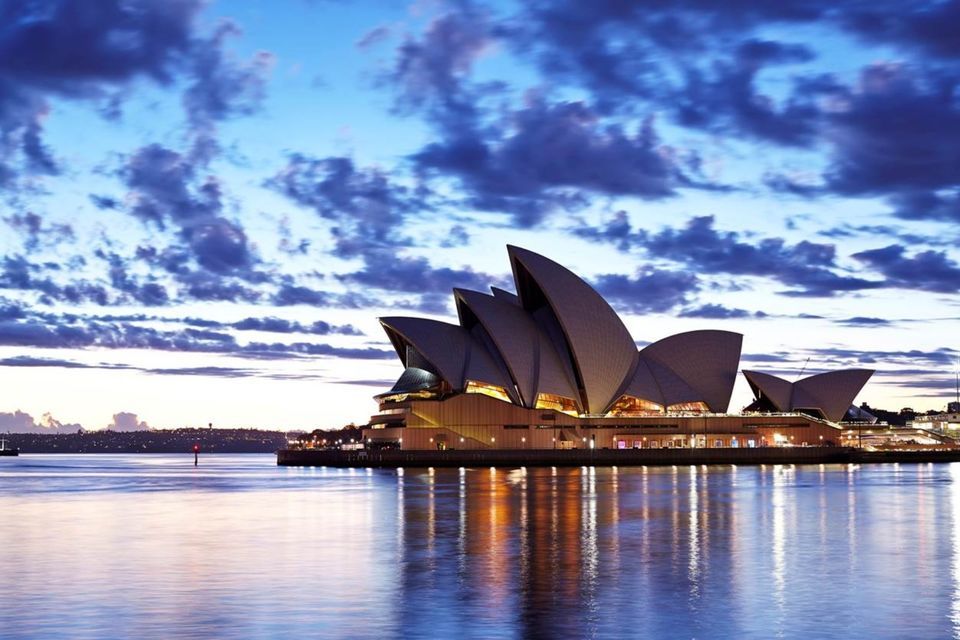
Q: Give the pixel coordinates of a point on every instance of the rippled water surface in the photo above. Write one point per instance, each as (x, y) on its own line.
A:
(117, 546)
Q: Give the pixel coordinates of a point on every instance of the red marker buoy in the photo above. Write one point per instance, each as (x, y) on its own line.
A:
(196, 453)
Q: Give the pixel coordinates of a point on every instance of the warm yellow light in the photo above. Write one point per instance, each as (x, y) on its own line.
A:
(491, 390)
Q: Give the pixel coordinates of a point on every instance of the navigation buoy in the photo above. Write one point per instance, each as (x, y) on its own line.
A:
(196, 454)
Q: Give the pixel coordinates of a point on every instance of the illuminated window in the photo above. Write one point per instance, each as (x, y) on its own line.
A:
(633, 406)
(492, 390)
(557, 403)
(689, 407)
(410, 395)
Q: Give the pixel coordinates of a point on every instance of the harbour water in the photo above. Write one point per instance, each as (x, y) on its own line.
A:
(118, 546)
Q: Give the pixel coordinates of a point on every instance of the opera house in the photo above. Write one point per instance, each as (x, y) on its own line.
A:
(553, 366)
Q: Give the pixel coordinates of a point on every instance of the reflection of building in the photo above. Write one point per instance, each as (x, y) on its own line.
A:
(553, 366)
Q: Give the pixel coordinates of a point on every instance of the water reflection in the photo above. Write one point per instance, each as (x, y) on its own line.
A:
(245, 549)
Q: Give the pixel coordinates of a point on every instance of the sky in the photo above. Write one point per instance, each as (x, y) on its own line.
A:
(205, 206)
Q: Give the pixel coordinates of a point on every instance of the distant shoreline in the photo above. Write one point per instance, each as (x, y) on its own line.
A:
(154, 441)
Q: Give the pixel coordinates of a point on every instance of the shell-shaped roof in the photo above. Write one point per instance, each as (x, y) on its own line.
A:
(674, 389)
(505, 295)
(602, 349)
(832, 392)
(450, 349)
(442, 344)
(415, 379)
(530, 358)
(705, 360)
(644, 385)
(776, 390)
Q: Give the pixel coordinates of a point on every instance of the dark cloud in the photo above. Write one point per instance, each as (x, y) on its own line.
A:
(863, 321)
(222, 87)
(36, 233)
(895, 133)
(649, 290)
(80, 50)
(166, 189)
(927, 205)
(290, 294)
(20, 274)
(415, 275)
(365, 205)
(65, 331)
(725, 99)
(549, 155)
(429, 73)
(808, 266)
(280, 325)
(926, 270)
(719, 312)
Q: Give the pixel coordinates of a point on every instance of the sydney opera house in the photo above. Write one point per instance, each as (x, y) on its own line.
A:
(553, 366)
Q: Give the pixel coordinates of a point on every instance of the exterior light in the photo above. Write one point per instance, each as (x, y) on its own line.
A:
(461, 439)
(523, 439)
(493, 439)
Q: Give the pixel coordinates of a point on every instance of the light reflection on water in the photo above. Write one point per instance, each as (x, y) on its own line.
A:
(104, 546)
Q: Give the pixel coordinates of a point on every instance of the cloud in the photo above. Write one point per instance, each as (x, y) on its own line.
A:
(78, 50)
(21, 422)
(862, 321)
(163, 190)
(807, 266)
(547, 156)
(126, 421)
(365, 205)
(62, 331)
(430, 72)
(222, 87)
(280, 325)
(648, 290)
(719, 312)
(20, 274)
(31, 226)
(894, 133)
(725, 99)
(926, 270)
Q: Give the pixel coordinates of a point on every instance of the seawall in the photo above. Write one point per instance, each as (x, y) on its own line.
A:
(602, 457)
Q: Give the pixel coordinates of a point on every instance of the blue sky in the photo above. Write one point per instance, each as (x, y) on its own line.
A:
(205, 206)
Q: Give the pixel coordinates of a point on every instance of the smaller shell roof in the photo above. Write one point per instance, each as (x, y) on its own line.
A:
(455, 354)
(776, 390)
(831, 393)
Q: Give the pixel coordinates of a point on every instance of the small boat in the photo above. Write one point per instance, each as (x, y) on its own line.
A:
(8, 452)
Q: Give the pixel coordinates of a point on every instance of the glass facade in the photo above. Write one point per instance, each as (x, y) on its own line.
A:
(633, 406)
(557, 403)
(492, 390)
